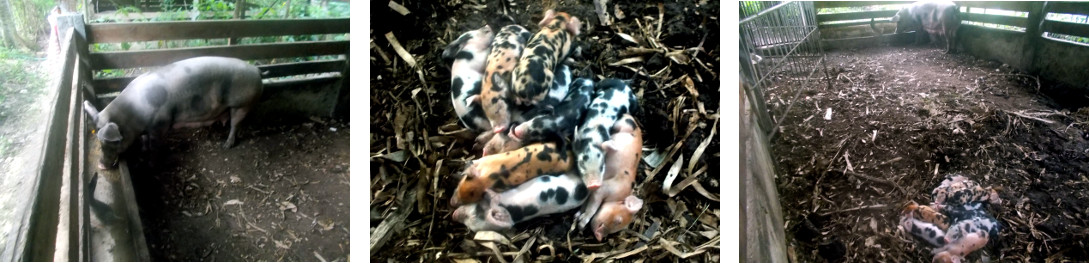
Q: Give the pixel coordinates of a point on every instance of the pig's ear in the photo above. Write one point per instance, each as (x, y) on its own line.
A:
(454, 47)
(472, 100)
(574, 25)
(633, 203)
(110, 133)
(90, 109)
(499, 217)
(549, 15)
(609, 146)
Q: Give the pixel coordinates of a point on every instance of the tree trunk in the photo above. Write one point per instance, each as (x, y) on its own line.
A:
(7, 21)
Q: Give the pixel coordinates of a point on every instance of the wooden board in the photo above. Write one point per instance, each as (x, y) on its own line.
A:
(834, 4)
(1077, 8)
(855, 15)
(129, 32)
(147, 58)
(108, 85)
(1065, 28)
(853, 23)
(1004, 5)
(995, 19)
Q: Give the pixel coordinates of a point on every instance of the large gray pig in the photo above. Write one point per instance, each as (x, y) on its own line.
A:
(189, 93)
(940, 19)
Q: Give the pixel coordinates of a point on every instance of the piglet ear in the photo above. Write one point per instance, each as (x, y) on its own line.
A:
(472, 100)
(574, 25)
(633, 203)
(549, 15)
(110, 133)
(609, 146)
(499, 217)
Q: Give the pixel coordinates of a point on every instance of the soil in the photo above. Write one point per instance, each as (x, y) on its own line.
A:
(280, 194)
(418, 149)
(905, 117)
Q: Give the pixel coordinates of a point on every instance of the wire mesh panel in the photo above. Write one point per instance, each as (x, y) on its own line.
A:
(779, 39)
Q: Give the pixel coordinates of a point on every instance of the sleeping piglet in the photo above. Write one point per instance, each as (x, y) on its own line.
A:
(189, 93)
(468, 53)
(612, 99)
(507, 170)
(546, 194)
(622, 155)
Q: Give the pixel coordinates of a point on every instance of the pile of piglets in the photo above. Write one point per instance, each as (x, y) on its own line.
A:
(549, 142)
(956, 223)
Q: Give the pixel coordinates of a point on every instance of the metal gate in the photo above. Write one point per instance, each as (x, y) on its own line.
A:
(777, 38)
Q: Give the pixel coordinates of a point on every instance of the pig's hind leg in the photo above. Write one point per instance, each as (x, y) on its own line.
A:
(237, 114)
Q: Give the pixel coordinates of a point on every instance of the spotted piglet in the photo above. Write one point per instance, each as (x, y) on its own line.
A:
(509, 169)
(506, 49)
(468, 53)
(611, 207)
(546, 194)
(547, 49)
(553, 125)
(500, 143)
(612, 99)
(924, 223)
(959, 192)
(971, 232)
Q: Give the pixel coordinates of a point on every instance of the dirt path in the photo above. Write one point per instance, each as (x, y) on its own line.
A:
(904, 117)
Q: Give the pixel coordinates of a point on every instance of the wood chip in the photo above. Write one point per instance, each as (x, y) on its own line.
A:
(407, 57)
(399, 8)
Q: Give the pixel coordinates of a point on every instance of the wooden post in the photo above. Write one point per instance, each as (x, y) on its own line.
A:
(239, 14)
(1032, 36)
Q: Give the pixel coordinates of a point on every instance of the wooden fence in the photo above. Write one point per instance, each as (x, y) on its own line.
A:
(64, 161)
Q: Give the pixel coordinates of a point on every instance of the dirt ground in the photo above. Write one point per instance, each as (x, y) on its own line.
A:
(418, 149)
(904, 117)
(281, 194)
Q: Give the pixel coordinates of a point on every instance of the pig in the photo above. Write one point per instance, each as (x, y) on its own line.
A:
(560, 88)
(969, 234)
(547, 49)
(544, 195)
(509, 169)
(189, 93)
(547, 124)
(959, 191)
(612, 99)
(468, 53)
(924, 223)
(495, 90)
(615, 216)
(623, 152)
(940, 19)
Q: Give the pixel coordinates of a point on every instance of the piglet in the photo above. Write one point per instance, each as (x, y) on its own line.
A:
(494, 94)
(546, 194)
(612, 99)
(468, 53)
(545, 50)
(959, 192)
(549, 107)
(509, 169)
(189, 93)
(622, 157)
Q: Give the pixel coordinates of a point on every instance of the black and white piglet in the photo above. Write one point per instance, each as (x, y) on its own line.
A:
(562, 120)
(613, 99)
(468, 53)
(546, 194)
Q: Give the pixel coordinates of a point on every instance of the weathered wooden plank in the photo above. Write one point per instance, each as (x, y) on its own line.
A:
(834, 4)
(147, 58)
(1004, 5)
(853, 23)
(149, 31)
(107, 85)
(1077, 8)
(1065, 28)
(995, 19)
(855, 15)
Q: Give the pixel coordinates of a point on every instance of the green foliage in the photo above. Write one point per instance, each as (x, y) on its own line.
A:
(109, 73)
(125, 11)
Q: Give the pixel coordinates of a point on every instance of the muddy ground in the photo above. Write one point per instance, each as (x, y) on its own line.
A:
(904, 117)
(418, 149)
(281, 194)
